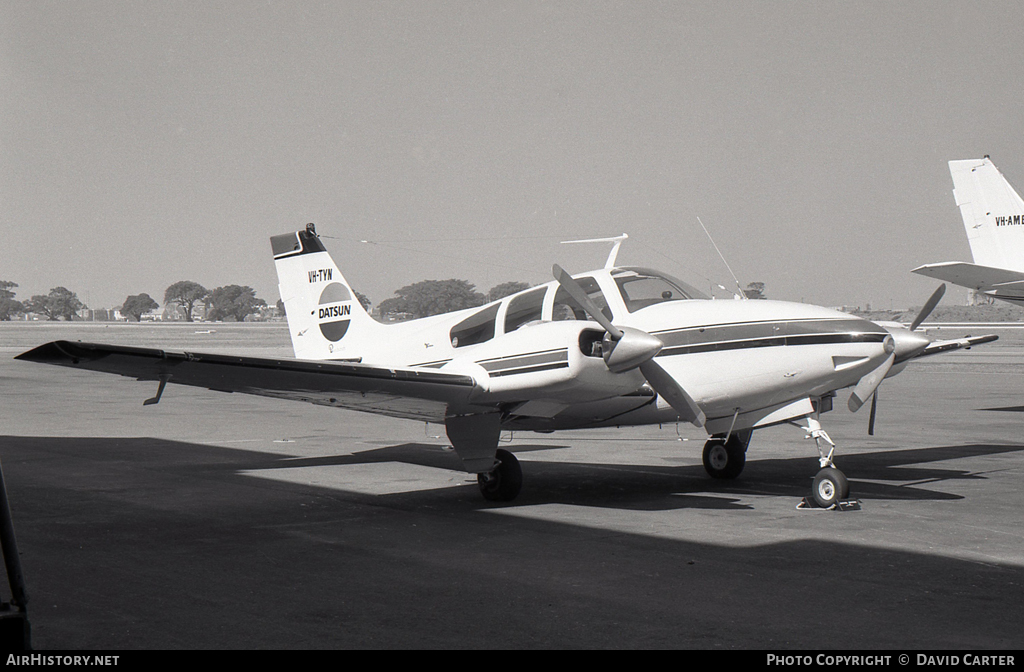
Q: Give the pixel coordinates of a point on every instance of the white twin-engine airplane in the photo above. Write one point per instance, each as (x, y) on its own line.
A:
(617, 346)
(993, 215)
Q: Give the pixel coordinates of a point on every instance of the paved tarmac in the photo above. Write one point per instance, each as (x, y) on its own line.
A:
(225, 521)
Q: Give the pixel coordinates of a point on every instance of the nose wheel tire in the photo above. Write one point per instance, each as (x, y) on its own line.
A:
(724, 459)
(829, 487)
(502, 484)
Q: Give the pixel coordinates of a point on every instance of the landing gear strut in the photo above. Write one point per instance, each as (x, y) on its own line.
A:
(830, 485)
(501, 484)
(725, 457)
(474, 438)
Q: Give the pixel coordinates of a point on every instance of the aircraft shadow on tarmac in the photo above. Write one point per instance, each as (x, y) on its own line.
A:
(883, 475)
(149, 543)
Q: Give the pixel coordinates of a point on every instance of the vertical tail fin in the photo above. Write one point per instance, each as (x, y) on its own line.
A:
(992, 211)
(325, 319)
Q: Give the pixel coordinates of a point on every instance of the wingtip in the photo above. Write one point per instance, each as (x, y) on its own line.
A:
(41, 353)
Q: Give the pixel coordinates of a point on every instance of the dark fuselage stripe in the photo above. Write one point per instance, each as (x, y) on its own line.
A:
(432, 365)
(716, 333)
(776, 341)
(529, 369)
(505, 358)
(518, 361)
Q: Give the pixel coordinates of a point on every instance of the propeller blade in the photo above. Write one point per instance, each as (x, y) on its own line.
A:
(929, 306)
(871, 418)
(576, 292)
(869, 383)
(673, 393)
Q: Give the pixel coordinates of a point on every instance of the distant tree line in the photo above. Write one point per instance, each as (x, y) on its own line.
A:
(755, 290)
(223, 303)
(231, 302)
(60, 302)
(433, 297)
(9, 307)
(237, 302)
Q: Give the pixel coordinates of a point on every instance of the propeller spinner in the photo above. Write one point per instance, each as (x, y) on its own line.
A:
(626, 348)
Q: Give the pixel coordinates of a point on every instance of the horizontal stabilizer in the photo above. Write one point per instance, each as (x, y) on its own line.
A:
(972, 276)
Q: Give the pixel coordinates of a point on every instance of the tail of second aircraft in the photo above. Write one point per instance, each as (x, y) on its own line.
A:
(992, 211)
(325, 318)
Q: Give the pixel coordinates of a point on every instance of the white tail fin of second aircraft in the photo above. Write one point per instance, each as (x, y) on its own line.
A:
(992, 211)
(325, 318)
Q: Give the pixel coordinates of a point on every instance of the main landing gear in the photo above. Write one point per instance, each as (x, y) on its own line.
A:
(830, 486)
(503, 482)
(474, 438)
(725, 457)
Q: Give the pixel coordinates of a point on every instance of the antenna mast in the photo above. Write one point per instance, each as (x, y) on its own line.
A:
(742, 295)
(615, 240)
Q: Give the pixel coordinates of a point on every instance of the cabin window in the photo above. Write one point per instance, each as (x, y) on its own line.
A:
(524, 308)
(475, 329)
(640, 288)
(566, 308)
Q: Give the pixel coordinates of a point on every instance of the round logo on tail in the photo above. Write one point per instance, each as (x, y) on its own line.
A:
(334, 311)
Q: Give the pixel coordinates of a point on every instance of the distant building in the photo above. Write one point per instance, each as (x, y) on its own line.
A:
(976, 298)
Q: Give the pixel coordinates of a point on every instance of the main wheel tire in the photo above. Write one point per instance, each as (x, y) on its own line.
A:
(724, 459)
(829, 486)
(503, 483)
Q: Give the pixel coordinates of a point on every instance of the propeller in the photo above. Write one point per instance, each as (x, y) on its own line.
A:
(929, 306)
(626, 348)
(904, 345)
(871, 417)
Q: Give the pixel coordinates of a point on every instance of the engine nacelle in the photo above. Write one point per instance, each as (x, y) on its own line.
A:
(556, 361)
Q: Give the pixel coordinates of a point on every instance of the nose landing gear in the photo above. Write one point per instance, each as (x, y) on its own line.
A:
(830, 486)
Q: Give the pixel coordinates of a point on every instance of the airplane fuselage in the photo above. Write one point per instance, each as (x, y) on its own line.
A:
(747, 363)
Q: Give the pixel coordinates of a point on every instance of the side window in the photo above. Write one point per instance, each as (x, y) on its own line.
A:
(524, 308)
(639, 292)
(566, 308)
(475, 329)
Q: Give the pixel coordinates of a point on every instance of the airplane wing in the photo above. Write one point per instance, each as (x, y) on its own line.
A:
(398, 392)
(935, 347)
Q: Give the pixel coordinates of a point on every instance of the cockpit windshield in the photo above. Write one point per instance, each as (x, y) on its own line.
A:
(642, 287)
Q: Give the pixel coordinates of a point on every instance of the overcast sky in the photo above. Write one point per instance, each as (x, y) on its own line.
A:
(149, 142)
